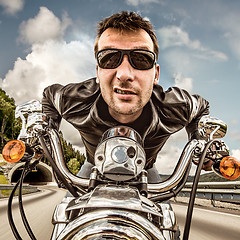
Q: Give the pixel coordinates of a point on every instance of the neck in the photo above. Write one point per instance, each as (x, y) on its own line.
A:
(125, 118)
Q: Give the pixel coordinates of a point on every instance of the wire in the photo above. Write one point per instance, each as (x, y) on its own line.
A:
(10, 217)
(61, 177)
(25, 171)
(193, 192)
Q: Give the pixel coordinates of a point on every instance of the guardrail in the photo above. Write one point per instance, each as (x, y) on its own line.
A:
(215, 191)
(28, 188)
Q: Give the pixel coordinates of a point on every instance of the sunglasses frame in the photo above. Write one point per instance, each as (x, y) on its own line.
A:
(126, 52)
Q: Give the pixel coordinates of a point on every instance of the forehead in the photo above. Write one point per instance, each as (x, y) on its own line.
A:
(113, 38)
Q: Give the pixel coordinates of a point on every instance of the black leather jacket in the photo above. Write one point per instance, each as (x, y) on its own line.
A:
(82, 105)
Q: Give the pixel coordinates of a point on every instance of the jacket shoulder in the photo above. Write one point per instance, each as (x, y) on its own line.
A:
(81, 90)
(173, 95)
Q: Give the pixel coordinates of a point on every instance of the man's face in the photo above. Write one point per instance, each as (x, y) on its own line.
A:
(126, 90)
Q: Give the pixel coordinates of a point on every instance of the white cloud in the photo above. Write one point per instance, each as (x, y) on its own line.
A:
(173, 36)
(51, 60)
(11, 7)
(181, 82)
(170, 153)
(138, 2)
(43, 27)
(48, 63)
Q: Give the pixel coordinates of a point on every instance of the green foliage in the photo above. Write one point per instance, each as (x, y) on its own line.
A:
(74, 158)
(3, 179)
(212, 177)
(9, 126)
(73, 165)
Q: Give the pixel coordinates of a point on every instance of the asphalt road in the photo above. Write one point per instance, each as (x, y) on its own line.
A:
(38, 208)
(207, 224)
(210, 224)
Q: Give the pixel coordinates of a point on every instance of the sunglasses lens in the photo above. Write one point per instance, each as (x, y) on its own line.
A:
(108, 58)
(142, 60)
(139, 59)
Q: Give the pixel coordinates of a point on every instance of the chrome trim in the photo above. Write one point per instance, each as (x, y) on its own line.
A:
(120, 197)
(97, 222)
(60, 161)
(179, 171)
(33, 110)
(154, 188)
(212, 127)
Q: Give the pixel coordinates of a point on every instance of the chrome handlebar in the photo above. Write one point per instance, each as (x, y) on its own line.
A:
(209, 128)
(58, 154)
(164, 186)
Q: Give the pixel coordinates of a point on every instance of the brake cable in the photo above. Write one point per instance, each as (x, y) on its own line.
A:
(194, 190)
(10, 217)
(27, 168)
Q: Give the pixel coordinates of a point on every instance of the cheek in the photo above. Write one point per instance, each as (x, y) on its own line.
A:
(147, 81)
(105, 76)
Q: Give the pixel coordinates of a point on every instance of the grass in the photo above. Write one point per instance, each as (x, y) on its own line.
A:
(3, 179)
(6, 193)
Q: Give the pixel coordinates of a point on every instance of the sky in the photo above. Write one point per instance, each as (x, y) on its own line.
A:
(51, 41)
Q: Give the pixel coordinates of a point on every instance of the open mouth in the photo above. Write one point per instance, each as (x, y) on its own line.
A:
(116, 90)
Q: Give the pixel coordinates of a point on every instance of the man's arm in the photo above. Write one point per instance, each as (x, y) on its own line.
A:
(200, 107)
(51, 104)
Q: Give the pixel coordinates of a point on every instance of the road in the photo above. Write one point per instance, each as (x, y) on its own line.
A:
(206, 225)
(38, 209)
(209, 224)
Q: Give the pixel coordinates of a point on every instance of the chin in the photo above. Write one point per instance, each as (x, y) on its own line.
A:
(127, 111)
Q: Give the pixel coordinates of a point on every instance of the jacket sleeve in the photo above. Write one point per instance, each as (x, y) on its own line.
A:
(50, 104)
(198, 108)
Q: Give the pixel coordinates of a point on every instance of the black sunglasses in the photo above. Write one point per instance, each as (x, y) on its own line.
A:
(138, 58)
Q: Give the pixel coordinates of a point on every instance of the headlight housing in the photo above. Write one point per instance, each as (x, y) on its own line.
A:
(120, 155)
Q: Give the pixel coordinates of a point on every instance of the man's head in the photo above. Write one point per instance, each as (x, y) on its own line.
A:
(126, 21)
(126, 50)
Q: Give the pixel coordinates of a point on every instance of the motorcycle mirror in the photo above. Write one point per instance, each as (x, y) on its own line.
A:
(13, 151)
(211, 127)
(230, 167)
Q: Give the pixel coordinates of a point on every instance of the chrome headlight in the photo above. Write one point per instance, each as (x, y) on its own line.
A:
(111, 224)
(120, 155)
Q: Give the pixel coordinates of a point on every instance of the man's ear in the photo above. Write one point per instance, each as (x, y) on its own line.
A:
(157, 74)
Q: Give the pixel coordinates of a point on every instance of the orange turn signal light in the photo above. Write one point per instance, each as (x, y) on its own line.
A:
(13, 151)
(230, 167)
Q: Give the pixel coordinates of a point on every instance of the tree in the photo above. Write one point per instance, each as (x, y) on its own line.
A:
(74, 159)
(74, 165)
(9, 126)
(10, 129)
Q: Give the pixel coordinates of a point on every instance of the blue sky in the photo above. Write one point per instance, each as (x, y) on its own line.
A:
(49, 41)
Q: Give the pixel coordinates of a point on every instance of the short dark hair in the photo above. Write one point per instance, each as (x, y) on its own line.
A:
(127, 21)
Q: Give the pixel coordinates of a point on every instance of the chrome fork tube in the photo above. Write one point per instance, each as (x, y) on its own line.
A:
(179, 171)
(60, 162)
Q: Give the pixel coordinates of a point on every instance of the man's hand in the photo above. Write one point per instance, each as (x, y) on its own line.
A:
(207, 166)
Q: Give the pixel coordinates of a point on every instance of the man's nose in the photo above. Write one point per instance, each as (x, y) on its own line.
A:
(125, 70)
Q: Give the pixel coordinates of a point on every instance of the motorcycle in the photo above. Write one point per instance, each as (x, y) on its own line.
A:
(116, 202)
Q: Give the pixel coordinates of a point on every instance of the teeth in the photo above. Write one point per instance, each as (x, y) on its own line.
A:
(122, 92)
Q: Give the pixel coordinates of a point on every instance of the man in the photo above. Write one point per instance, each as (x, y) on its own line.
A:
(125, 92)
